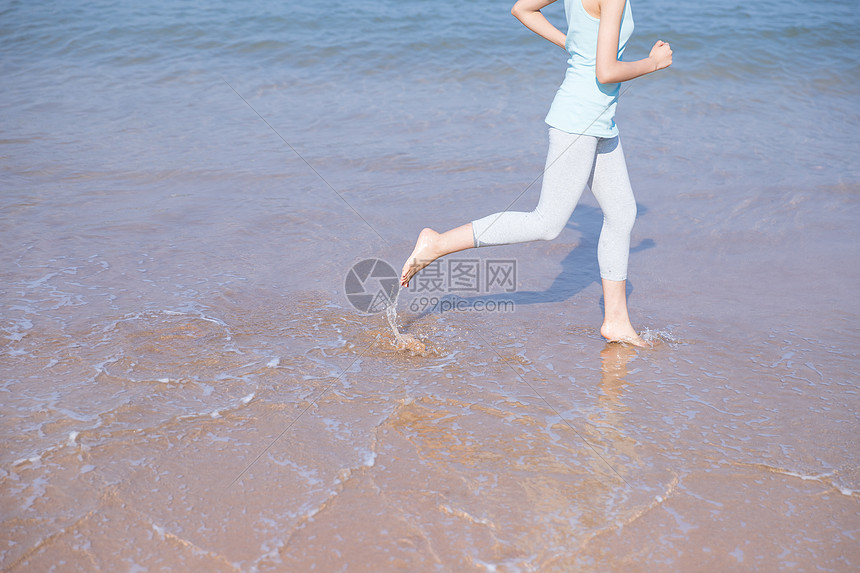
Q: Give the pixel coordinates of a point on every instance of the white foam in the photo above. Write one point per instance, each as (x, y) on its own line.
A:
(248, 398)
(32, 459)
(73, 436)
(822, 478)
(273, 363)
(818, 477)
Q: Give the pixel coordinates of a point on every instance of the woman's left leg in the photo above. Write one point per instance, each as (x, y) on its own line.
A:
(610, 184)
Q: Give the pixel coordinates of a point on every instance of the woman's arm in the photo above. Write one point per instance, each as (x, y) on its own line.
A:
(609, 68)
(528, 12)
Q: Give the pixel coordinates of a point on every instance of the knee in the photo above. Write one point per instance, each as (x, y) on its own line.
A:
(630, 215)
(622, 218)
(551, 228)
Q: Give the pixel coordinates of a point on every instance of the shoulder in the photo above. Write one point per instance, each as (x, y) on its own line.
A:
(605, 6)
(610, 9)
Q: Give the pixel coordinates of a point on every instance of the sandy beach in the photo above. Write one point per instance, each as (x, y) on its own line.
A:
(187, 384)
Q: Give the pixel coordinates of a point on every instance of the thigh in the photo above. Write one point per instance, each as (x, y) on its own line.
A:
(610, 182)
(569, 166)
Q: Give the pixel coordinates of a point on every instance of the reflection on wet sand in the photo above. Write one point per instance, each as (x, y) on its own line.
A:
(608, 421)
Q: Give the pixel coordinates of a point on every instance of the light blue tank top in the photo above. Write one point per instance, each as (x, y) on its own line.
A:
(582, 104)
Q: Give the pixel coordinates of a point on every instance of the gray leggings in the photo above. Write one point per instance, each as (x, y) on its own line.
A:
(574, 161)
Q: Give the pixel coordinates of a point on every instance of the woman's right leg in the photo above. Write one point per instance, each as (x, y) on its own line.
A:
(569, 163)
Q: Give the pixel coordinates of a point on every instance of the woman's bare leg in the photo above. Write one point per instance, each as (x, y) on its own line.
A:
(616, 322)
(432, 245)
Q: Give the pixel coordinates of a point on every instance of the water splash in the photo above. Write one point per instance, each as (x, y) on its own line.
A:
(401, 340)
(391, 315)
(655, 337)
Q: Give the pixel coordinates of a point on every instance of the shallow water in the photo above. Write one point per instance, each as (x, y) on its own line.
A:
(187, 387)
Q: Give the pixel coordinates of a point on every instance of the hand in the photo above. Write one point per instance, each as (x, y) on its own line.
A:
(661, 55)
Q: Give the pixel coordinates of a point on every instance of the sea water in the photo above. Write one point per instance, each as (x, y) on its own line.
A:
(186, 385)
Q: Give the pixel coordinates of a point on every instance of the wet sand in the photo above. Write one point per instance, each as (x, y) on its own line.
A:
(165, 411)
(187, 387)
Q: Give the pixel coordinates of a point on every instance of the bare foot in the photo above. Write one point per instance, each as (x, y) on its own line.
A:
(423, 254)
(622, 333)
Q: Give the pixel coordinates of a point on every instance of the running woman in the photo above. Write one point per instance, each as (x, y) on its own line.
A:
(584, 149)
